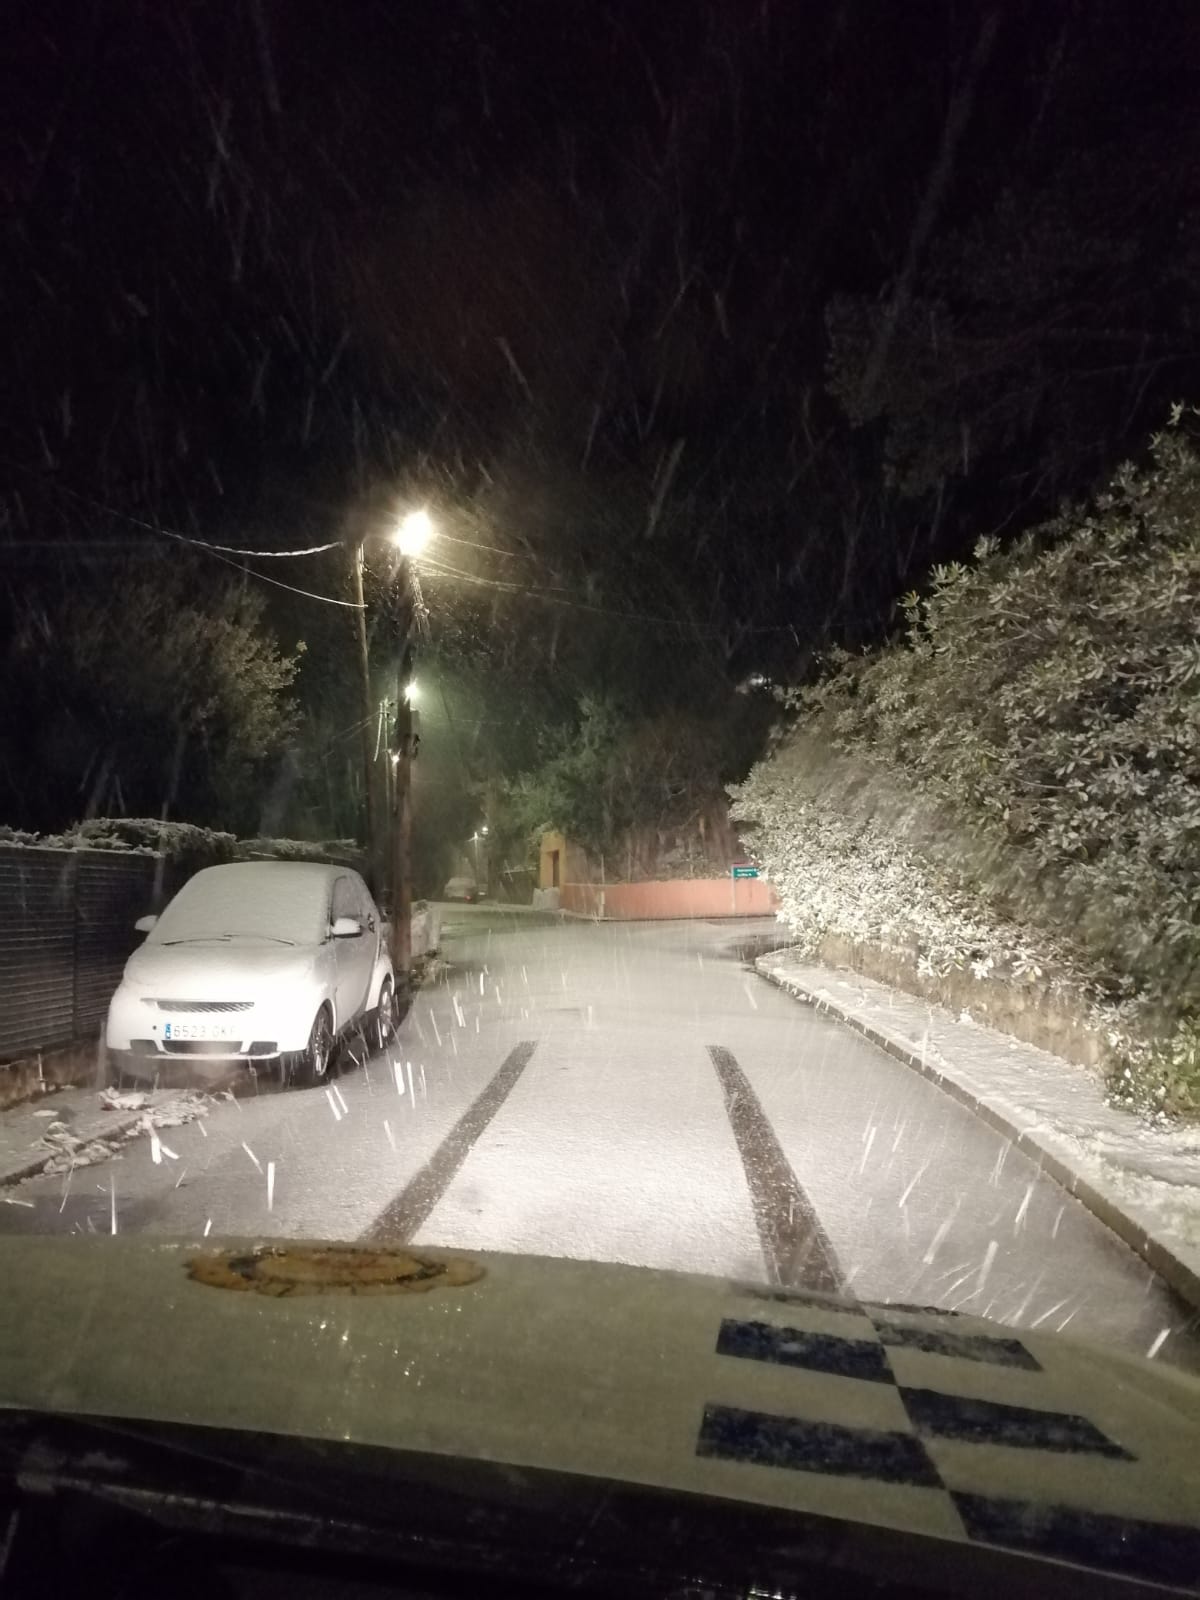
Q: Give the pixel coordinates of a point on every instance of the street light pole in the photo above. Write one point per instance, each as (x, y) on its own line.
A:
(412, 536)
(401, 829)
(368, 709)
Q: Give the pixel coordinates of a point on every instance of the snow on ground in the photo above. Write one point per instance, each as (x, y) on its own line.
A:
(614, 1141)
(1151, 1172)
(577, 1164)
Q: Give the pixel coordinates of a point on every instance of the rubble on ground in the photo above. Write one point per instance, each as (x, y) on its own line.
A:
(70, 1150)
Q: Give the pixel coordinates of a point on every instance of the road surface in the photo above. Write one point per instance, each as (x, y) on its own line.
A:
(635, 1093)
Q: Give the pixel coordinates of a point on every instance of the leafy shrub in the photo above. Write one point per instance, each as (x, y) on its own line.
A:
(1041, 720)
(1161, 1075)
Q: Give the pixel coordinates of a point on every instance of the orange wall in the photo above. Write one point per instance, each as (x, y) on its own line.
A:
(681, 897)
(573, 864)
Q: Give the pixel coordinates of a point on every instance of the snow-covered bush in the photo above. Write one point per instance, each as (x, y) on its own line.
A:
(187, 847)
(852, 854)
(184, 845)
(333, 850)
(1038, 733)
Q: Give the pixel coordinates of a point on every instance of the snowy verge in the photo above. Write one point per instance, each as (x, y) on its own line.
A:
(82, 1128)
(1142, 1182)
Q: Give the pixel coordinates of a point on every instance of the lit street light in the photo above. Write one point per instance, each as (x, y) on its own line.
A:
(413, 533)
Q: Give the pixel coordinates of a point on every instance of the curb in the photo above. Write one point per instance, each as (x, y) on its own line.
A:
(35, 1164)
(1178, 1274)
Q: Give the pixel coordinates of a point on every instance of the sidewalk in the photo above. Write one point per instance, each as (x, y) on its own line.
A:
(73, 1127)
(1142, 1182)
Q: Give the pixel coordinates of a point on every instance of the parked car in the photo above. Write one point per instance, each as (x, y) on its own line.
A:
(465, 889)
(267, 962)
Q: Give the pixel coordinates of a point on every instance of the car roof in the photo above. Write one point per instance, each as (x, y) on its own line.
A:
(271, 871)
(264, 899)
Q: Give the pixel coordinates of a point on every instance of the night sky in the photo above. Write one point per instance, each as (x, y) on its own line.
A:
(706, 329)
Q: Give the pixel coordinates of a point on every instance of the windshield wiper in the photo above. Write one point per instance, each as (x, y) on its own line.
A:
(215, 938)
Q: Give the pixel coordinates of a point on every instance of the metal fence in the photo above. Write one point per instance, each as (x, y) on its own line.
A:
(66, 931)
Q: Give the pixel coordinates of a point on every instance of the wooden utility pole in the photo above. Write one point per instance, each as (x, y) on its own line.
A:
(403, 750)
(368, 728)
(408, 538)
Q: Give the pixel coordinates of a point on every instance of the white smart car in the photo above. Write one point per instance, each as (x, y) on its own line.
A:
(265, 962)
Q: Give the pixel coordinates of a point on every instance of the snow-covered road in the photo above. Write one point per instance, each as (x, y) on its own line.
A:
(634, 1093)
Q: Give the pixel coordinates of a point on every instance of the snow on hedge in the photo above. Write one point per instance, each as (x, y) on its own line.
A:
(183, 843)
(852, 856)
(1013, 787)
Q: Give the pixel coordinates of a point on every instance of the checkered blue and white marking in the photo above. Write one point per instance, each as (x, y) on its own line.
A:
(972, 1434)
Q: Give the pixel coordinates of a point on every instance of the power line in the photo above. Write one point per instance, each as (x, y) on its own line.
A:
(216, 550)
(551, 597)
(259, 555)
(183, 538)
(557, 597)
(309, 594)
(492, 549)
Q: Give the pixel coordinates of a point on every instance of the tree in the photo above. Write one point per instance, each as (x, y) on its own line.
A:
(1040, 335)
(637, 794)
(146, 696)
(1044, 703)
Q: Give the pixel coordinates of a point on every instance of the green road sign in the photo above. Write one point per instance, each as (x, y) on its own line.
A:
(744, 872)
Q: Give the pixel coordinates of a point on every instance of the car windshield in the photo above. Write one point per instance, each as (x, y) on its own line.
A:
(273, 903)
(599, 677)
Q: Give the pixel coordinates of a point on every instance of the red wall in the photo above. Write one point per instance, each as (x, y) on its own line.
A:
(681, 897)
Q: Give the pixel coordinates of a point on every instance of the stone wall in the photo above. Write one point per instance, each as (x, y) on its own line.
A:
(1027, 1009)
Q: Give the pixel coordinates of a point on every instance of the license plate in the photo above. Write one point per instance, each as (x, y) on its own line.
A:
(199, 1030)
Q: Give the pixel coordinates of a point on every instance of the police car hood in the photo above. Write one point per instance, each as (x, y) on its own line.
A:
(941, 1426)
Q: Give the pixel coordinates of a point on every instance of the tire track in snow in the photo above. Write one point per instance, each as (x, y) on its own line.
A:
(795, 1247)
(407, 1212)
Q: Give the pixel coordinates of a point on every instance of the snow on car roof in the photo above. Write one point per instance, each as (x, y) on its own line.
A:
(276, 900)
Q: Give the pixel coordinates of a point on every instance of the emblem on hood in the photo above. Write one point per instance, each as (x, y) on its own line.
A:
(281, 1270)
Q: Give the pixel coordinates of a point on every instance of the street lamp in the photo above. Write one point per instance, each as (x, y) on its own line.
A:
(409, 537)
(413, 532)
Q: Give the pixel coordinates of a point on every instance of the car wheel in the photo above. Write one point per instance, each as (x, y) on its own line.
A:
(314, 1064)
(383, 1020)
